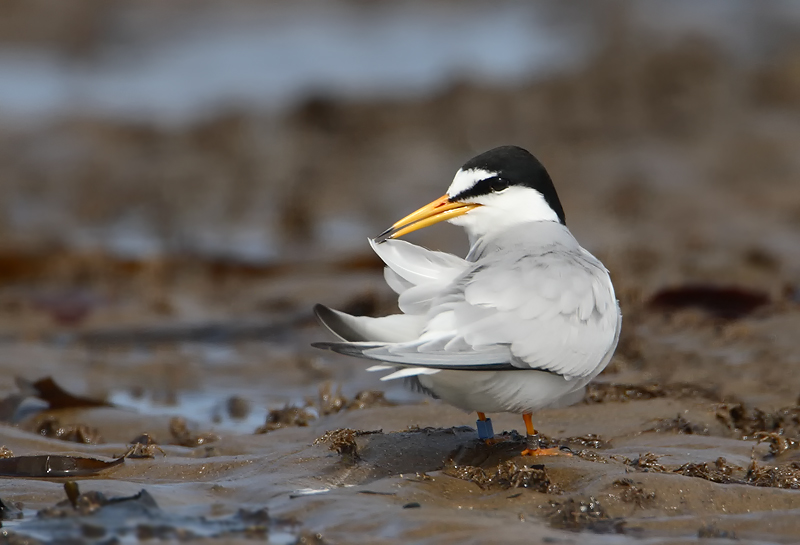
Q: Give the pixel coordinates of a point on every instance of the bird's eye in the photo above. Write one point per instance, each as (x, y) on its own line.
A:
(498, 184)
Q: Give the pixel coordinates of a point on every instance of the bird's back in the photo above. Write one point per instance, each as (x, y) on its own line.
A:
(534, 290)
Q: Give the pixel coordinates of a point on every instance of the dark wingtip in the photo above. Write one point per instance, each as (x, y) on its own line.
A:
(320, 309)
(324, 315)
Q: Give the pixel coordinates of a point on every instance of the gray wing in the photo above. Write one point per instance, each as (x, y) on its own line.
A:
(418, 275)
(555, 311)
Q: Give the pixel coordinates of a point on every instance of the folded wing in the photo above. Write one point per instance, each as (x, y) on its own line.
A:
(553, 311)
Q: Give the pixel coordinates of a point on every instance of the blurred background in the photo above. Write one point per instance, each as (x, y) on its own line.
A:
(263, 131)
(178, 179)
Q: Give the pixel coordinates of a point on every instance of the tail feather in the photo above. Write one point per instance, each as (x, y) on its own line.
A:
(358, 350)
(387, 329)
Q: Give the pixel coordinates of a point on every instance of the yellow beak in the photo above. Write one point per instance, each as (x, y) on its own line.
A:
(439, 210)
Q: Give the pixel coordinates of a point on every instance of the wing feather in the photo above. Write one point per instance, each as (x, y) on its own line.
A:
(418, 265)
(552, 309)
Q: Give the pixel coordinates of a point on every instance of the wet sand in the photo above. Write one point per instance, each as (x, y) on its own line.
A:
(692, 432)
(697, 438)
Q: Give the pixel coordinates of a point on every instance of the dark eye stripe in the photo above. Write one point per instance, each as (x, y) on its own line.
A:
(483, 187)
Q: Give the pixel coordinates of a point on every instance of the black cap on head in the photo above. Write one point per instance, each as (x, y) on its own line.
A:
(513, 166)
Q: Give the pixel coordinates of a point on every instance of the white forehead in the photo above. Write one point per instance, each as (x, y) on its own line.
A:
(464, 179)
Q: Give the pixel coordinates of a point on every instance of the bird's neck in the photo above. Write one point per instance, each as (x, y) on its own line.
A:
(531, 237)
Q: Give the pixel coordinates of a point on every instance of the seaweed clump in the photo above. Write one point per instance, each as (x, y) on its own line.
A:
(785, 476)
(328, 401)
(719, 472)
(506, 475)
(180, 432)
(343, 442)
(78, 433)
(780, 428)
(647, 462)
(751, 422)
(722, 472)
(286, 417)
(576, 516)
(631, 493)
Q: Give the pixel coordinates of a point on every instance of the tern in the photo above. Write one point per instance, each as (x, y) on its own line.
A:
(523, 322)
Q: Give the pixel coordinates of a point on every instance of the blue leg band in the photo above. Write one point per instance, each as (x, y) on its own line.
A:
(485, 430)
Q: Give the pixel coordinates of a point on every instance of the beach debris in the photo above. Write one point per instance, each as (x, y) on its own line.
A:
(783, 476)
(590, 456)
(583, 515)
(630, 492)
(51, 465)
(369, 398)
(722, 472)
(329, 400)
(718, 472)
(778, 443)
(590, 440)
(287, 417)
(506, 475)
(238, 407)
(143, 446)
(184, 437)
(55, 396)
(647, 462)
(50, 426)
(749, 423)
(343, 442)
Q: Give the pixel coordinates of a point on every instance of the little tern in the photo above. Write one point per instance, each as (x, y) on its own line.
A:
(524, 322)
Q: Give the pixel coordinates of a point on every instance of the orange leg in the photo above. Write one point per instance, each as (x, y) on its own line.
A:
(533, 441)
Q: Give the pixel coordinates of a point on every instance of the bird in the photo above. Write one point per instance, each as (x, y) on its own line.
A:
(523, 322)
